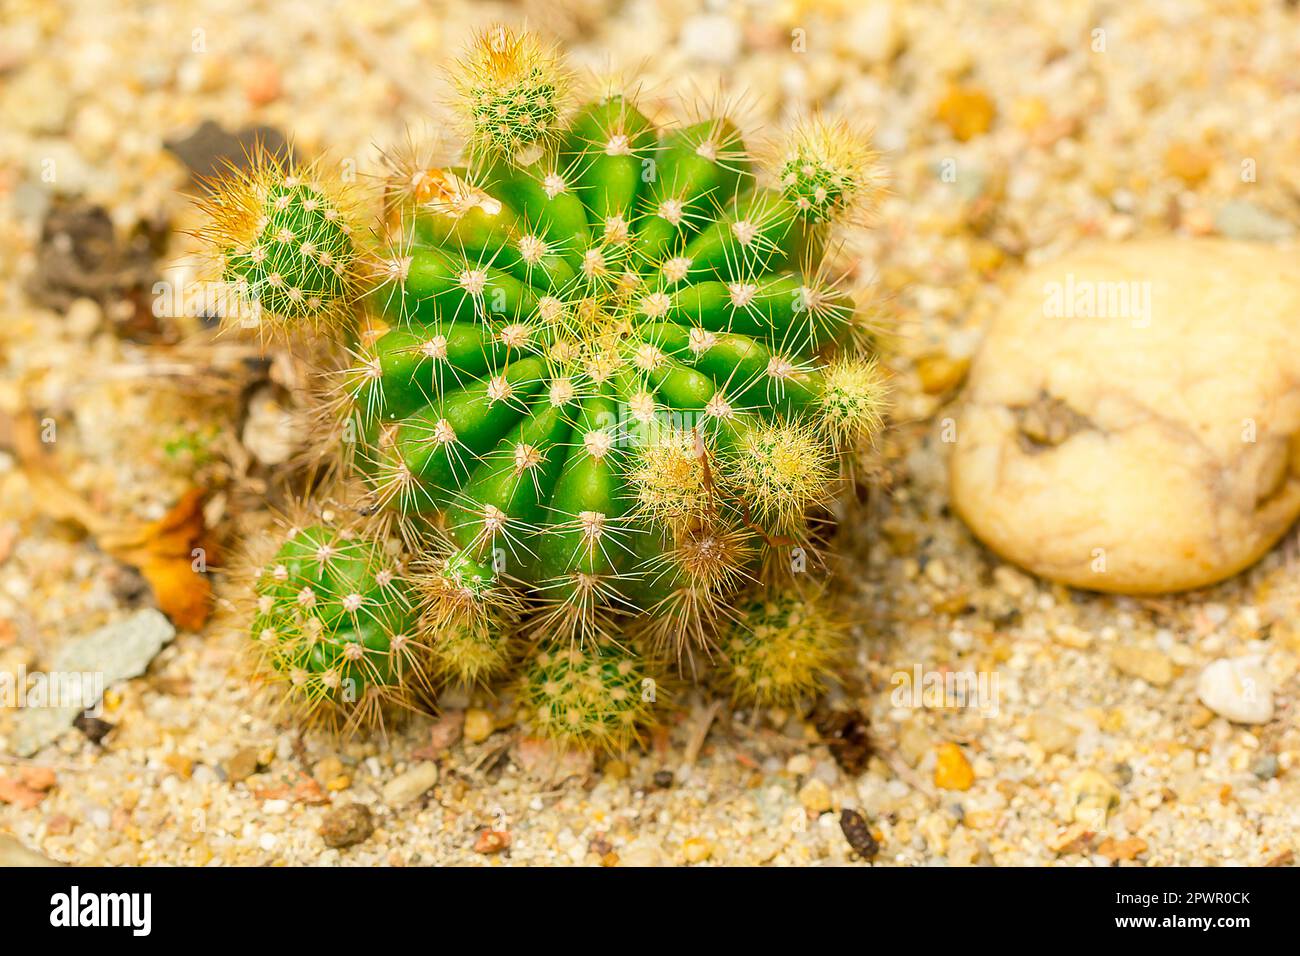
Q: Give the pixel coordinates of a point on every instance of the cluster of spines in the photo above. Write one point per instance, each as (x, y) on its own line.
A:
(598, 694)
(781, 648)
(469, 617)
(605, 367)
(829, 171)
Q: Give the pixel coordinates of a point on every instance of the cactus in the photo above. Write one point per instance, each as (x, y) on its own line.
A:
(829, 172)
(283, 239)
(335, 624)
(600, 379)
(781, 648)
(469, 614)
(513, 90)
(594, 359)
(596, 695)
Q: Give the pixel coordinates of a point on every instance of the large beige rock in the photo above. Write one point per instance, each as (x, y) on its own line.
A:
(1131, 419)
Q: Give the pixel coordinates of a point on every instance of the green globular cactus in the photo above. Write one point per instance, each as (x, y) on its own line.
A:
(599, 379)
(781, 648)
(596, 696)
(285, 245)
(513, 89)
(612, 372)
(335, 624)
(829, 172)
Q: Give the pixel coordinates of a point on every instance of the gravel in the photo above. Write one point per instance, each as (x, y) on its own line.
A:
(1058, 142)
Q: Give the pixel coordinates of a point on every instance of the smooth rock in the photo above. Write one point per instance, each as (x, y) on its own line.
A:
(1092, 798)
(478, 725)
(84, 317)
(406, 787)
(697, 850)
(873, 34)
(1143, 663)
(113, 653)
(1238, 688)
(952, 771)
(641, 852)
(1051, 733)
(1132, 422)
(800, 765)
(549, 763)
(241, 765)
(1266, 767)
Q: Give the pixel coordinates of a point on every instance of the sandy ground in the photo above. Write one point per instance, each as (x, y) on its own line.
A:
(1012, 133)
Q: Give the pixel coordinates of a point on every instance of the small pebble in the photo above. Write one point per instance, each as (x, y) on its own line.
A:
(347, 825)
(242, 765)
(815, 796)
(642, 852)
(873, 33)
(410, 785)
(181, 765)
(37, 778)
(478, 725)
(914, 742)
(491, 841)
(327, 769)
(1188, 162)
(1265, 768)
(94, 728)
(939, 373)
(263, 85)
(966, 111)
(84, 317)
(1051, 733)
(711, 38)
(1238, 688)
(1127, 849)
(1143, 663)
(1092, 798)
(952, 771)
(1240, 219)
(697, 850)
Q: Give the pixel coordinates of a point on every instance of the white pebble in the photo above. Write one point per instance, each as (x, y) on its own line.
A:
(407, 787)
(1238, 688)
